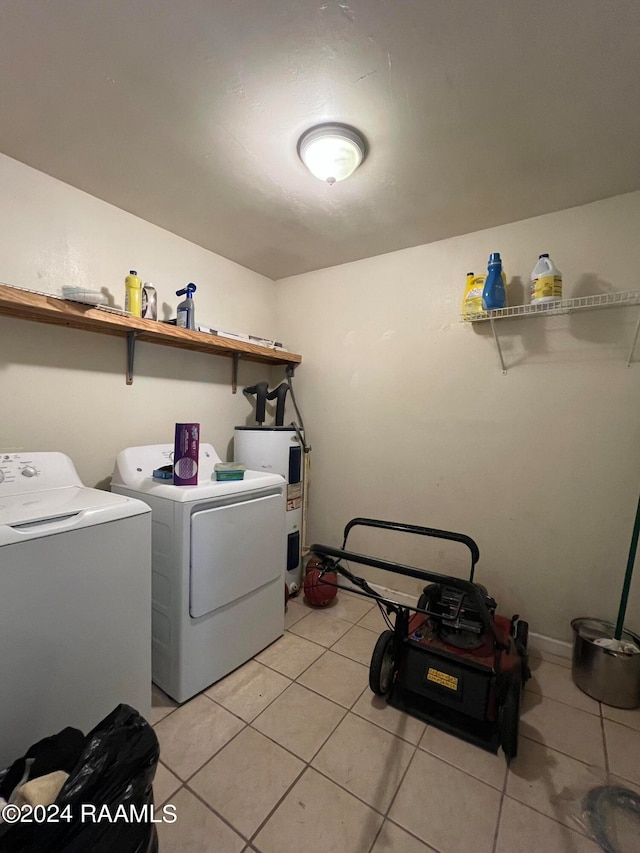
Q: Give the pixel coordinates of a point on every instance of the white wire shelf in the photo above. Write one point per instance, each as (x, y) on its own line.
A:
(565, 306)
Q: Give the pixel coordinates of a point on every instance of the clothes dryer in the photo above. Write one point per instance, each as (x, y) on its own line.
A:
(218, 557)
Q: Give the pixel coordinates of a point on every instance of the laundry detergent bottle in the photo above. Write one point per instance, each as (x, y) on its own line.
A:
(133, 294)
(494, 295)
(546, 282)
(186, 309)
(472, 300)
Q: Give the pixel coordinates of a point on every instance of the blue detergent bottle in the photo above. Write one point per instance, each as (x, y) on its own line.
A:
(186, 309)
(493, 293)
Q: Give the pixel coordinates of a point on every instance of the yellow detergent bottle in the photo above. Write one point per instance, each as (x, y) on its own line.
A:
(133, 294)
(472, 301)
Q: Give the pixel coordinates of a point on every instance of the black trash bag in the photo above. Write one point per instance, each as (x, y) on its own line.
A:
(115, 770)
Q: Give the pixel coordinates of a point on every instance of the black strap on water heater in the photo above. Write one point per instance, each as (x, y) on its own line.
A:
(261, 390)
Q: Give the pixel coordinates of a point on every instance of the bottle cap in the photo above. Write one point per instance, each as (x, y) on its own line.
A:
(132, 272)
(494, 257)
(544, 256)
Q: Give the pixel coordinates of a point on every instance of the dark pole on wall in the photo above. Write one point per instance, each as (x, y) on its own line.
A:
(627, 578)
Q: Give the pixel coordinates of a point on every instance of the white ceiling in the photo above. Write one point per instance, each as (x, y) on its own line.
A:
(187, 113)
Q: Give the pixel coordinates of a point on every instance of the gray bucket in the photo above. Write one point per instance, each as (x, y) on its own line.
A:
(609, 676)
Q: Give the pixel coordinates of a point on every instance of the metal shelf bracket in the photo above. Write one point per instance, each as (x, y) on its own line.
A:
(234, 372)
(131, 349)
(498, 347)
(633, 345)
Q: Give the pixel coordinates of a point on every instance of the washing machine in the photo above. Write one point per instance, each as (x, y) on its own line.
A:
(75, 602)
(217, 566)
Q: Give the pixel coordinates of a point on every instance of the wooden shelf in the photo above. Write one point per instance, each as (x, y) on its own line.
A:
(43, 308)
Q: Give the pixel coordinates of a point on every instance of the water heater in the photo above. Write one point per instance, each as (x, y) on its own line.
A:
(277, 450)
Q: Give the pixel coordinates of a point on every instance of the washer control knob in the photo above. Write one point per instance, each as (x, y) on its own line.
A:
(1, 476)
(29, 471)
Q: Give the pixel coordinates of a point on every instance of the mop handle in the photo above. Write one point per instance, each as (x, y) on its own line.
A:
(627, 578)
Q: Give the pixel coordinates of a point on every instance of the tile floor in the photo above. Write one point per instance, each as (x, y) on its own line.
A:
(293, 753)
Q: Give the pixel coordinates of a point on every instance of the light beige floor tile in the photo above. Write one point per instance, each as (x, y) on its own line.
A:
(455, 813)
(523, 830)
(295, 610)
(562, 727)
(245, 780)
(248, 690)
(552, 783)
(484, 765)
(164, 784)
(555, 682)
(623, 750)
(193, 733)
(623, 783)
(161, 705)
(376, 710)
(317, 816)
(392, 839)
(290, 655)
(339, 679)
(350, 589)
(196, 829)
(300, 720)
(321, 627)
(365, 760)
(535, 654)
(349, 607)
(357, 644)
(374, 621)
(623, 716)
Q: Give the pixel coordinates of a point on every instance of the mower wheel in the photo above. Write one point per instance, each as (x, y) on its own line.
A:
(510, 719)
(383, 666)
(522, 635)
(522, 640)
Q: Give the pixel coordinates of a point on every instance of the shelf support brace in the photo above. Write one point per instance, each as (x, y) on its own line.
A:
(495, 338)
(131, 349)
(234, 372)
(633, 345)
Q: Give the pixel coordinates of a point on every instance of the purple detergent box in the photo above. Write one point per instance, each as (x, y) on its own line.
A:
(185, 455)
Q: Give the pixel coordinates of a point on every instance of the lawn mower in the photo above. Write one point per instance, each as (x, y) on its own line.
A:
(451, 661)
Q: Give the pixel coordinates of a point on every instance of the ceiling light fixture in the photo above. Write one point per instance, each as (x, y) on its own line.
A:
(331, 152)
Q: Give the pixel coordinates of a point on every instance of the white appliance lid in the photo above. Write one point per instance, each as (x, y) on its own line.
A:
(135, 466)
(32, 507)
(41, 495)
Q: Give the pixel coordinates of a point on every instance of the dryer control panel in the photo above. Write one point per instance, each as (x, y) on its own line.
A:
(37, 471)
(137, 464)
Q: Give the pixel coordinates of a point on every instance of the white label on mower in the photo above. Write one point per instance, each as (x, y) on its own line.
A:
(442, 678)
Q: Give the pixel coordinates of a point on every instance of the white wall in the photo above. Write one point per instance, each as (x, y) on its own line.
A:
(411, 419)
(408, 413)
(63, 389)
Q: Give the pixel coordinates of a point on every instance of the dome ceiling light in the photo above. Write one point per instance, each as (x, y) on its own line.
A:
(331, 152)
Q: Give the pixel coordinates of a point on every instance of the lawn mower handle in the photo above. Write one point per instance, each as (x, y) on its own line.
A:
(420, 531)
(413, 572)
